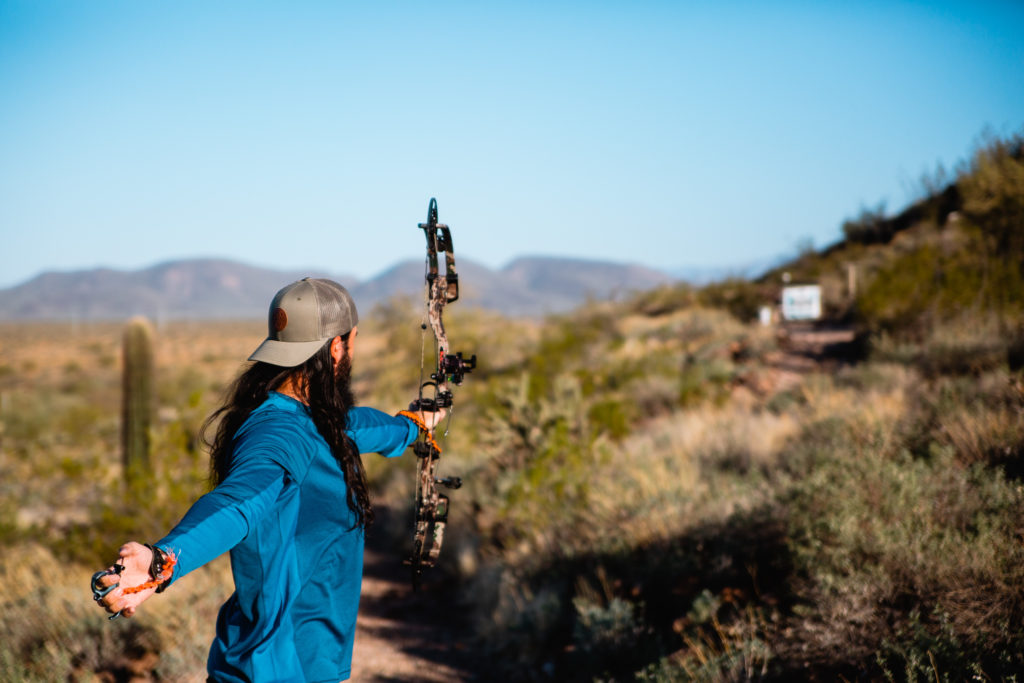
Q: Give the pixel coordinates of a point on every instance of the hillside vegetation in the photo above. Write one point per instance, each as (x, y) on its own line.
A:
(651, 493)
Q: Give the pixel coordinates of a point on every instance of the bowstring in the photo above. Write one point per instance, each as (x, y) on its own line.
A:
(419, 493)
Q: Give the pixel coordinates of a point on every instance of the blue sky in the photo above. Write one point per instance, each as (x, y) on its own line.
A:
(312, 134)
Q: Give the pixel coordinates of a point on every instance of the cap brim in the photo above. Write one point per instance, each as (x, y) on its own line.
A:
(286, 354)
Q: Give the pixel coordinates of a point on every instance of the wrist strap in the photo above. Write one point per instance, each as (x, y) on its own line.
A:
(422, 425)
(160, 568)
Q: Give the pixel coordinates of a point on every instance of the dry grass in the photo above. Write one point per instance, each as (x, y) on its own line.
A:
(685, 467)
(53, 630)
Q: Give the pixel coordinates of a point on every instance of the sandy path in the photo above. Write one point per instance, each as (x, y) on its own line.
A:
(406, 636)
(804, 349)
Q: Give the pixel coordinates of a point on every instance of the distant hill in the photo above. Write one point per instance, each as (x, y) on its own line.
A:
(207, 288)
(188, 288)
(559, 284)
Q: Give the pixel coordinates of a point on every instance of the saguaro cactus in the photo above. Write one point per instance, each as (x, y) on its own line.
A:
(137, 397)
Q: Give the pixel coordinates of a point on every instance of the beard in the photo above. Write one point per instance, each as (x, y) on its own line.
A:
(343, 395)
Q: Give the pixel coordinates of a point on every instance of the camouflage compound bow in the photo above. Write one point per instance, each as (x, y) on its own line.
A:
(431, 505)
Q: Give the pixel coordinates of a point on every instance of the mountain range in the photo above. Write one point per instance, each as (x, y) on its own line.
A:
(211, 288)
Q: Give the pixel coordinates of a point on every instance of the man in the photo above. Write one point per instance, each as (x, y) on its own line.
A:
(290, 500)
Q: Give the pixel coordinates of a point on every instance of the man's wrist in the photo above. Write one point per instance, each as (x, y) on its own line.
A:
(157, 566)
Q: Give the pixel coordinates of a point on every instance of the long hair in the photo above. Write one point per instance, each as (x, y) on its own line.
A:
(329, 396)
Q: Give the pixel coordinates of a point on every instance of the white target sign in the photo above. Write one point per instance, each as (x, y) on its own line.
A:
(802, 302)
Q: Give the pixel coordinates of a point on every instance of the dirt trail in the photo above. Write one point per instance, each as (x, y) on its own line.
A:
(806, 348)
(403, 635)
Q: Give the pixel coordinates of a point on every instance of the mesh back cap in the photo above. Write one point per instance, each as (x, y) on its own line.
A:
(303, 316)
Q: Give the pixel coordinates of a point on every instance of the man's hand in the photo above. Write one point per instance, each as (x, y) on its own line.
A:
(135, 559)
(430, 418)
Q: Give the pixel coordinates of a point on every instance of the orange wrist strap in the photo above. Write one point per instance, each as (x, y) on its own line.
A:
(422, 425)
(164, 575)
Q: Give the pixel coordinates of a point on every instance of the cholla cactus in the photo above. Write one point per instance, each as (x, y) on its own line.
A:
(137, 397)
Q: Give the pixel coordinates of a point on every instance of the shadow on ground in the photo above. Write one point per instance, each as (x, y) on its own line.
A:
(407, 635)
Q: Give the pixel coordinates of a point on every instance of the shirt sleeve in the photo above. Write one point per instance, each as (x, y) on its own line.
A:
(266, 436)
(374, 431)
(218, 521)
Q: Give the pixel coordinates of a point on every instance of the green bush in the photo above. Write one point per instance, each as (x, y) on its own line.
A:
(741, 298)
(993, 198)
(869, 227)
(894, 538)
(665, 300)
(979, 273)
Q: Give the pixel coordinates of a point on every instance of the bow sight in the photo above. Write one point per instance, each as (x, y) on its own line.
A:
(455, 367)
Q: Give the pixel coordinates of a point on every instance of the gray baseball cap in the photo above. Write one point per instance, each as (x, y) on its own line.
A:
(303, 316)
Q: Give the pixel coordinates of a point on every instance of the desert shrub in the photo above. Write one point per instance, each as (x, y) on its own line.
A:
(541, 451)
(914, 289)
(741, 298)
(183, 387)
(611, 416)
(980, 419)
(923, 285)
(26, 423)
(917, 551)
(397, 321)
(84, 422)
(869, 227)
(704, 380)
(608, 614)
(728, 643)
(664, 300)
(609, 635)
(10, 533)
(993, 198)
(570, 342)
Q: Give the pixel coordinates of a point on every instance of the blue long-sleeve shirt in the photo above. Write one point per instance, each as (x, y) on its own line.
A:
(296, 554)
